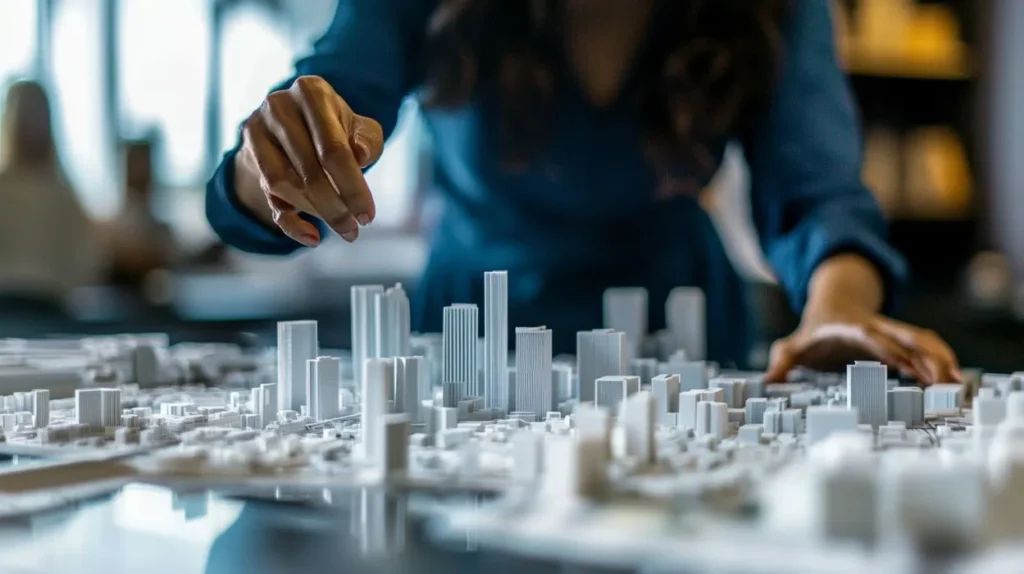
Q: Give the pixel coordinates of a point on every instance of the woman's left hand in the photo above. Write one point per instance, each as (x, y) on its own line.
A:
(831, 343)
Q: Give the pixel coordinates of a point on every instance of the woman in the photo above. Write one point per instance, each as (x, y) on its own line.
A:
(48, 245)
(571, 139)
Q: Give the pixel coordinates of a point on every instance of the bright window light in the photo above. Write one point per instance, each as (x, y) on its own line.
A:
(17, 42)
(256, 54)
(395, 177)
(163, 57)
(83, 135)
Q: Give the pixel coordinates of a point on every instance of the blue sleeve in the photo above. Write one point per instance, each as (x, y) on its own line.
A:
(369, 54)
(807, 196)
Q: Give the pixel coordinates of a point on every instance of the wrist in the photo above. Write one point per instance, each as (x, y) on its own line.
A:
(844, 286)
(246, 187)
(833, 311)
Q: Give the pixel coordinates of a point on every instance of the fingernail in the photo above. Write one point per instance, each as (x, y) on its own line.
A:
(350, 236)
(309, 240)
(363, 219)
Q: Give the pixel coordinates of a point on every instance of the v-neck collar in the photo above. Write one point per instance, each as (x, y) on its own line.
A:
(632, 73)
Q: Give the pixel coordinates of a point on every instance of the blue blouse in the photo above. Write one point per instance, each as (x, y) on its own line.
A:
(587, 214)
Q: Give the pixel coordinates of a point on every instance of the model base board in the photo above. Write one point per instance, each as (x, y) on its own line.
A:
(654, 462)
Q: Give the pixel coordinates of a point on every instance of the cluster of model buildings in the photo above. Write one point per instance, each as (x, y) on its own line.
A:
(432, 384)
(445, 390)
(475, 379)
(438, 380)
(94, 372)
(966, 492)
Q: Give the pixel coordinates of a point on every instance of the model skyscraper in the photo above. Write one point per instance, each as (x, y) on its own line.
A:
(867, 391)
(685, 320)
(365, 322)
(392, 309)
(599, 353)
(378, 377)
(533, 370)
(625, 310)
(459, 349)
(323, 387)
(496, 340)
(411, 386)
(297, 343)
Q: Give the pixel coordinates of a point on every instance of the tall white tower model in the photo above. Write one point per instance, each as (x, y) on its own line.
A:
(410, 376)
(365, 322)
(89, 407)
(322, 388)
(312, 400)
(458, 348)
(638, 415)
(496, 340)
(267, 404)
(533, 370)
(41, 408)
(378, 377)
(867, 391)
(685, 320)
(599, 353)
(666, 389)
(392, 456)
(110, 411)
(392, 308)
(625, 309)
(296, 344)
(429, 346)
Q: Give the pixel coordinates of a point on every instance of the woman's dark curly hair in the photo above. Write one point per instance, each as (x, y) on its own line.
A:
(710, 63)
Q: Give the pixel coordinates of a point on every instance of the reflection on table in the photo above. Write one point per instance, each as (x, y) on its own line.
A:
(155, 530)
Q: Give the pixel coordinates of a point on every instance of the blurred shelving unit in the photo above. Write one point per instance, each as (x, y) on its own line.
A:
(913, 69)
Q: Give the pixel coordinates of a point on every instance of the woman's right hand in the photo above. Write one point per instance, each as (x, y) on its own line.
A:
(303, 151)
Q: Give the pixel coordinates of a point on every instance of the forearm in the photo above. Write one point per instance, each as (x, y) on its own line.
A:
(844, 283)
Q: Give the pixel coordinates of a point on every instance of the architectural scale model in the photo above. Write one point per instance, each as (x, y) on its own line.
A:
(634, 453)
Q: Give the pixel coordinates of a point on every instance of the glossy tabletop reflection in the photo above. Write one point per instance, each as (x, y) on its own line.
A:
(143, 528)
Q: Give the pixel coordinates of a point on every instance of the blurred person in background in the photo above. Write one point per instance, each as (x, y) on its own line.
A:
(139, 243)
(572, 139)
(48, 244)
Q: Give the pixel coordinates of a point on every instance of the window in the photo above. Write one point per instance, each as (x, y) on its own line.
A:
(17, 41)
(395, 178)
(84, 137)
(256, 54)
(123, 68)
(163, 66)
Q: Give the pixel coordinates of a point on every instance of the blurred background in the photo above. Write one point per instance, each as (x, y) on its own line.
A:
(146, 95)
